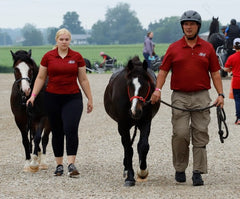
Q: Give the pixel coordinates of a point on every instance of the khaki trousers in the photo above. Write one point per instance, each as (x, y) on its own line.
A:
(190, 126)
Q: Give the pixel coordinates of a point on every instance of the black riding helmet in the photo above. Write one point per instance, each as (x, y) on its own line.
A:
(191, 15)
(233, 22)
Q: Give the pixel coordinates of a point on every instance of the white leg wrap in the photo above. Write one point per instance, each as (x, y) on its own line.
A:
(34, 166)
(43, 164)
(26, 167)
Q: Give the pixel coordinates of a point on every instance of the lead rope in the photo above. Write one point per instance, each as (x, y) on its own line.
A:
(221, 117)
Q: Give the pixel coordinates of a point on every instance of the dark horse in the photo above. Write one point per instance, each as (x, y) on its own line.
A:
(214, 37)
(218, 41)
(29, 119)
(126, 100)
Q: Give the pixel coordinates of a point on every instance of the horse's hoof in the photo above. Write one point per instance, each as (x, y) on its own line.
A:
(26, 169)
(34, 170)
(34, 166)
(43, 167)
(129, 183)
(142, 174)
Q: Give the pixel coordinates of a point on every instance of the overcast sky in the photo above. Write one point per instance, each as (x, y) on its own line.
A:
(49, 13)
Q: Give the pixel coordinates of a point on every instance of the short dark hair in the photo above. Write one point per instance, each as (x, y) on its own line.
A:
(149, 33)
(237, 46)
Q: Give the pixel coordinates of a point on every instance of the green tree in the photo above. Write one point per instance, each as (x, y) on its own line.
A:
(168, 30)
(51, 33)
(72, 23)
(32, 36)
(121, 26)
(99, 34)
(5, 39)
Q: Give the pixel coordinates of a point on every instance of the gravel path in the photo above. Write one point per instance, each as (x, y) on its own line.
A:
(100, 156)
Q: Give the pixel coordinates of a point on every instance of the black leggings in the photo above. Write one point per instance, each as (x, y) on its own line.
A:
(64, 112)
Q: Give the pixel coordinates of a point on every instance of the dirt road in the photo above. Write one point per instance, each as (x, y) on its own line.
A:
(100, 156)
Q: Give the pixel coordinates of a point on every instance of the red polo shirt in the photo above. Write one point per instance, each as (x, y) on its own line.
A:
(62, 72)
(234, 62)
(190, 66)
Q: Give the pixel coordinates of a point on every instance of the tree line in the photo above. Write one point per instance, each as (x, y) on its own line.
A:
(121, 26)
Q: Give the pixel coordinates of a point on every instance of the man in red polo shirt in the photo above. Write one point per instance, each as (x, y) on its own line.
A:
(192, 61)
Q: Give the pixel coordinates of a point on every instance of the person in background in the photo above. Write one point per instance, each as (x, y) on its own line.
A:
(192, 62)
(223, 28)
(148, 48)
(63, 98)
(233, 65)
(105, 57)
(231, 32)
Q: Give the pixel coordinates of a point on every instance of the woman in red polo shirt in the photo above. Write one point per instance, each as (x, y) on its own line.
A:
(233, 65)
(63, 98)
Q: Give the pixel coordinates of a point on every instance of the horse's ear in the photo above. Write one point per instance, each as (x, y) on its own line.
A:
(130, 65)
(30, 53)
(145, 65)
(13, 54)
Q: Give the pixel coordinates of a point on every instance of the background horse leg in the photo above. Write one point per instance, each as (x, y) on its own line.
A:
(128, 154)
(143, 148)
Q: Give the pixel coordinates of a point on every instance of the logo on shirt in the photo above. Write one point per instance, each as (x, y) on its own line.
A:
(202, 54)
(71, 61)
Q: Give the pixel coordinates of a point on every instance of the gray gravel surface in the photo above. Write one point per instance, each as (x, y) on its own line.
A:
(100, 156)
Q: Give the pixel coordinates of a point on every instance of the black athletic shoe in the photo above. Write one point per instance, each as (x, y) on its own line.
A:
(180, 176)
(197, 179)
(72, 171)
(59, 170)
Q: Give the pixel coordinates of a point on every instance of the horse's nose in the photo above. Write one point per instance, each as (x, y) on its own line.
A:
(26, 87)
(27, 91)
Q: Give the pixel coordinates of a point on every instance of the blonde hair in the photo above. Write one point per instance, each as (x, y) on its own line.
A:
(62, 32)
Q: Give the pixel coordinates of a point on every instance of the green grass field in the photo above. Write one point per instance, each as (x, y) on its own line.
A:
(91, 52)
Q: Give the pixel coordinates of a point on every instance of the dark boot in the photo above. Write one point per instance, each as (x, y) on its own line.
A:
(180, 176)
(197, 178)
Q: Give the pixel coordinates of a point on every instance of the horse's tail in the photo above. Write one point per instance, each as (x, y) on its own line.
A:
(134, 135)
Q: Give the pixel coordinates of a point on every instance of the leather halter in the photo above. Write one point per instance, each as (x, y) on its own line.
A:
(140, 97)
(23, 78)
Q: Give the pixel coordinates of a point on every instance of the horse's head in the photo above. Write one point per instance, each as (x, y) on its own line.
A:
(24, 70)
(214, 26)
(139, 85)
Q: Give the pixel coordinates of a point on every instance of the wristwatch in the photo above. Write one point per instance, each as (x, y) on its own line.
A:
(221, 94)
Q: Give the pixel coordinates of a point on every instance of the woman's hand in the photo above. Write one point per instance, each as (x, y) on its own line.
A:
(31, 100)
(89, 106)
